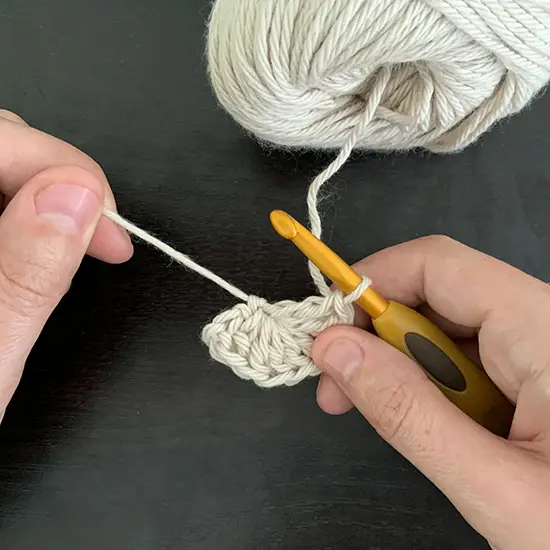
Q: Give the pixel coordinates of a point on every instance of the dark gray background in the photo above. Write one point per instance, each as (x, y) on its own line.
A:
(123, 434)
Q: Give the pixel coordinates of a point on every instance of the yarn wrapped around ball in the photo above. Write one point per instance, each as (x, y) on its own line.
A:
(400, 74)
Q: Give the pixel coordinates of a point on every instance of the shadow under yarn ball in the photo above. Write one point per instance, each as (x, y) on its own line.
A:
(385, 74)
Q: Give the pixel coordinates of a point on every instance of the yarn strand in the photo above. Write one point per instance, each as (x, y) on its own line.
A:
(371, 105)
(175, 255)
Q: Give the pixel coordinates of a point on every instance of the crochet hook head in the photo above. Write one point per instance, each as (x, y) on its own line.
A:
(405, 329)
(330, 264)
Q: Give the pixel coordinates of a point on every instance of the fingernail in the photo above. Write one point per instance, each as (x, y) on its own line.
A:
(70, 207)
(342, 358)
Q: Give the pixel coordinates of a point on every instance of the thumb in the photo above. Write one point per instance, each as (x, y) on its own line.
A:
(392, 392)
(44, 234)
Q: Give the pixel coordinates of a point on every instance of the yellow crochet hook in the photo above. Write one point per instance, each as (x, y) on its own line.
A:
(465, 384)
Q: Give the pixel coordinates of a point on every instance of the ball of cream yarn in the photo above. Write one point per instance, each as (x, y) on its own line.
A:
(400, 74)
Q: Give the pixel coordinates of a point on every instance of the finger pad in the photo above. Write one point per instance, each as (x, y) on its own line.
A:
(109, 244)
(330, 398)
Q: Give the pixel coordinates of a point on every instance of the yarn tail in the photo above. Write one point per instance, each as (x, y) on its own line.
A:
(175, 255)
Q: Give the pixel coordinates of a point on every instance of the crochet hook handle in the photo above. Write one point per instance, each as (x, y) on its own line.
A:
(465, 384)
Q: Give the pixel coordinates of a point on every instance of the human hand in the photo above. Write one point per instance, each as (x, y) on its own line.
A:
(51, 202)
(501, 317)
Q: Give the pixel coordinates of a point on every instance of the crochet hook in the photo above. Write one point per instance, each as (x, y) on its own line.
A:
(464, 383)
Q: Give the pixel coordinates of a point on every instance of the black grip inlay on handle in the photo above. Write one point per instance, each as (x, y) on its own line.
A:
(435, 362)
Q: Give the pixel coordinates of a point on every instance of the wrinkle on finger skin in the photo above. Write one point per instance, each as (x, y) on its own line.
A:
(12, 117)
(460, 283)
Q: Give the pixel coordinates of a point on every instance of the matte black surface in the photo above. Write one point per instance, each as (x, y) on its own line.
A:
(435, 361)
(123, 434)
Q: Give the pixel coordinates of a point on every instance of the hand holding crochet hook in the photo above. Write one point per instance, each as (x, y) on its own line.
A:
(447, 406)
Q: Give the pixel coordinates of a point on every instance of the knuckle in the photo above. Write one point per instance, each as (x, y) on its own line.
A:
(440, 241)
(28, 283)
(394, 411)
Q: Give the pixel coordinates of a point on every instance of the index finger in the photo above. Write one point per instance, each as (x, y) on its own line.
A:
(458, 282)
(25, 152)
